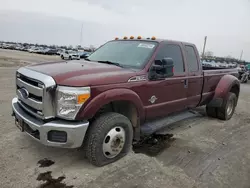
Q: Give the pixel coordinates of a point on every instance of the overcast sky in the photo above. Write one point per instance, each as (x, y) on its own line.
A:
(225, 22)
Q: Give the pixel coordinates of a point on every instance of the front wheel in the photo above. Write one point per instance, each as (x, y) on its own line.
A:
(108, 139)
(226, 111)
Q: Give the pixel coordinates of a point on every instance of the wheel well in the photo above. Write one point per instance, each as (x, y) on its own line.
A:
(236, 90)
(126, 108)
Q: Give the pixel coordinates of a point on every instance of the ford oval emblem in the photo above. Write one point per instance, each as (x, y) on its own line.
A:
(24, 92)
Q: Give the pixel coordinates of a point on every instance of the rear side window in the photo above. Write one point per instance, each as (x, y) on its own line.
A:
(174, 52)
(191, 59)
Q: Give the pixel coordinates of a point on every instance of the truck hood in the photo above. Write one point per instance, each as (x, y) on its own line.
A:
(84, 73)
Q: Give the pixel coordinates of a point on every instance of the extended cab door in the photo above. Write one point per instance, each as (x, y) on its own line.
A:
(195, 76)
(167, 95)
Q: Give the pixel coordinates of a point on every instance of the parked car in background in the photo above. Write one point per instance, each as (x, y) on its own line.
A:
(84, 54)
(44, 50)
(206, 63)
(214, 64)
(70, 55)
(9, 46)
(31, 49)
(51, 52)
(38, 50)
(60, 51)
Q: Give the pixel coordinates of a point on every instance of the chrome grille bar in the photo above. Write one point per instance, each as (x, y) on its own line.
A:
(31, 102)
(29, 110)
(37, 98)
(32, 89)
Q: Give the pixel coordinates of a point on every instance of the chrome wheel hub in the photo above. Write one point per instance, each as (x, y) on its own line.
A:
(230, 107)
(113, 142)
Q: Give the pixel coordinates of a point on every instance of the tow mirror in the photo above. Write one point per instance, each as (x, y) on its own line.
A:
(168, 64)
(162, 69)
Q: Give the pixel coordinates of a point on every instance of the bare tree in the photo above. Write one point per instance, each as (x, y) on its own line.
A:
(209, 54)
(229, 57)
(92, 48)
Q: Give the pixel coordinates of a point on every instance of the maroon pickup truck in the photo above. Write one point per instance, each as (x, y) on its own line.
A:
(125, 90)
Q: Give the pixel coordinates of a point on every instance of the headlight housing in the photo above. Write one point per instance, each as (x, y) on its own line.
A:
(69, 100)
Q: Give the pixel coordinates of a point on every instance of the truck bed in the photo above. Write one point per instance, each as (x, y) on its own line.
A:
(215, 68)
(221, 71)
(211, 80)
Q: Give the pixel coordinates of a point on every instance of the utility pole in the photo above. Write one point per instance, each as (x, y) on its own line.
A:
(204, 47)
(81, 35)
(241, 55)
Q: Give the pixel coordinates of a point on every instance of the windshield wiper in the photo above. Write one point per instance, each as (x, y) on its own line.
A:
(110, 63)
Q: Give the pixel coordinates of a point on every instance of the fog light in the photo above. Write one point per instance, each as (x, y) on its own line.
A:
(57, 136)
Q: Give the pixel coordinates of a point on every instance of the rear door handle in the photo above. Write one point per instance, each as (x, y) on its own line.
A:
(185, 83)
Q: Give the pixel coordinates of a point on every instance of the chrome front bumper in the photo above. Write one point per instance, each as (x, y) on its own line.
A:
(75, 130)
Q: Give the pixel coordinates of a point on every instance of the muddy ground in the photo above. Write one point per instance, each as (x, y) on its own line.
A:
(203, 152)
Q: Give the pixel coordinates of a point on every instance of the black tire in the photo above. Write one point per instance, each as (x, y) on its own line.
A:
(70, 58)
(245, 81)
(62, 57)
(211, 111)
(93, 144)
(223, 112)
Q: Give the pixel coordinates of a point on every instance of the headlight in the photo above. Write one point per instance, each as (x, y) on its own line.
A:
(70, 100)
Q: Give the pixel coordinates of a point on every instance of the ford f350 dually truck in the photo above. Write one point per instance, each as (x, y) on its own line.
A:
(125, 90)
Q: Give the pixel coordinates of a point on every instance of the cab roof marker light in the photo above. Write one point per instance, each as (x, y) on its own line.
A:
(132, 37)
(139, 37)
(153, 38)
(116, 38)
(125, 38)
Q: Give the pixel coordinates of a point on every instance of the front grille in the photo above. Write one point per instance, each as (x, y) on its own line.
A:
(33, 93)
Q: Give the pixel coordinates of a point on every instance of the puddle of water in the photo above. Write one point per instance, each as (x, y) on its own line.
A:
(50, 182)
(154, 145)
(45, 162)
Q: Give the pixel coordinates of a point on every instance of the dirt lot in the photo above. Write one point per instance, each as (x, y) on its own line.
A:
(204, 152)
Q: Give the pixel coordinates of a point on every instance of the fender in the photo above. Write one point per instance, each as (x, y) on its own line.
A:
(106, 97)
(223, 87)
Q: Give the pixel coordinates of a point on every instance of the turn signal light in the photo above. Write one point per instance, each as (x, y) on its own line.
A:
(153, 38)
(82, 98)
(125, 38)
(139, 37)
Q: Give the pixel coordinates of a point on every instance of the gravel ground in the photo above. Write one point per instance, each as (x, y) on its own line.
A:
(204, 152)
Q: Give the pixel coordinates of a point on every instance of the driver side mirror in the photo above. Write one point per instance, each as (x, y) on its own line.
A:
(162, 69)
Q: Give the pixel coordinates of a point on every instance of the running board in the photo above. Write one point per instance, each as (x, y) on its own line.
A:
(153, 126)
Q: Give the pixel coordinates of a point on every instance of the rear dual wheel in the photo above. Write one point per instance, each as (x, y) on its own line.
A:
(226, 111)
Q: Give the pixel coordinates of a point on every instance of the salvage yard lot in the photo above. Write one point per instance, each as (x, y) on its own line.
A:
(204, 152)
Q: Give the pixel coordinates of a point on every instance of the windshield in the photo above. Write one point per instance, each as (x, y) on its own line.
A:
(129, 53)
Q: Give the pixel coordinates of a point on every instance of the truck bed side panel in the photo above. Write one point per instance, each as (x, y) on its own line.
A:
(211, 80)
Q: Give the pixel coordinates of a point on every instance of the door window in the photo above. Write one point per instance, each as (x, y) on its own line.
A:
(172, 51)
(192, 61)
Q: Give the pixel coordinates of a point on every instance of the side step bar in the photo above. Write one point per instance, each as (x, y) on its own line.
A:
(153, 126)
